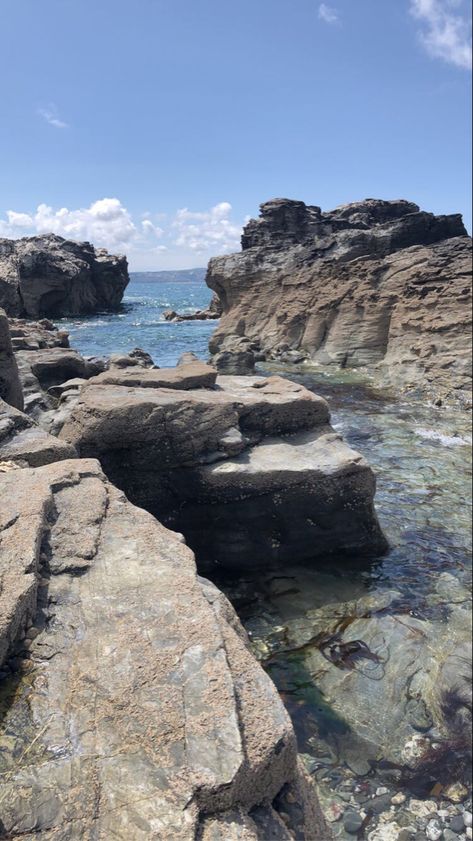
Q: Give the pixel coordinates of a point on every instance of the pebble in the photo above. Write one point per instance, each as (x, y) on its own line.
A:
(469, 832)
(398, 798)
(422, 808)
(457, 824)
(448, 835)
(380, 804)
(381, 790)
(352, 822)
(456, 793)
(468, 818)
(434, 831)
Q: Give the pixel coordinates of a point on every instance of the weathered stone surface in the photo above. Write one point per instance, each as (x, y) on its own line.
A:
(183, 377)
(374, 284)
(262, 478)
(33, 335)
(140, 712)
(23, 442)
(50, 276)
(10, 386)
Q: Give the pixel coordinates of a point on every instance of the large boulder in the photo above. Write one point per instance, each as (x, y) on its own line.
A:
(134, 708)
(48, 275)
(10, 385)
(376, 284)
(247, 467)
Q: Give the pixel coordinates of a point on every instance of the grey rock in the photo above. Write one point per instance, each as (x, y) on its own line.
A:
(352, 822)
(50, 276)
(10, 385)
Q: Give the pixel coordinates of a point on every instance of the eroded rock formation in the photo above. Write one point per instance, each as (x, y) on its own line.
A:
(262, 478)
(213, 312)
(48, 275)
(131, 705)
(376, 284)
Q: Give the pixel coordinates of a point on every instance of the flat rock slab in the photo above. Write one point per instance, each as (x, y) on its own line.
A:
(193, 375)
(140, 710)
(249, 470)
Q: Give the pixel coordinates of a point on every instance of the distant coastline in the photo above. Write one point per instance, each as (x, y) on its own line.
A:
(178, 276)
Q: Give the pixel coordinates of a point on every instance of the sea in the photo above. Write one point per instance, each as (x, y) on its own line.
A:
(140, 322)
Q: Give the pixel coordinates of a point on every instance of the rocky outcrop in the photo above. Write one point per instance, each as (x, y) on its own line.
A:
(377, 284)
(213, 312)
(134, 708)
(50, 276)
(262, 479)
(10, 386)
(24, 443)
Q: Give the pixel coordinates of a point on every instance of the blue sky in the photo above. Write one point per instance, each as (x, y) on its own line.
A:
(155, 127)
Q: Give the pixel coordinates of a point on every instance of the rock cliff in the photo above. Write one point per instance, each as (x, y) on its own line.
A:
(50, 276)
(376, 284)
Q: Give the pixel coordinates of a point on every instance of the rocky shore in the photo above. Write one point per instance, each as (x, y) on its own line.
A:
(375, 285)
(131, 704)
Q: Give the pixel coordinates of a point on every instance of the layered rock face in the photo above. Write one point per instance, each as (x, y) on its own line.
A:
(51, 276)
(131, 706)
(376, 284)
(261, 479)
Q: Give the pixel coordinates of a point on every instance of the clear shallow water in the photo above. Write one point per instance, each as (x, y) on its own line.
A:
(140, 323)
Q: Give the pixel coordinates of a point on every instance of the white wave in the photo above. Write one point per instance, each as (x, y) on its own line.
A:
(445, 440)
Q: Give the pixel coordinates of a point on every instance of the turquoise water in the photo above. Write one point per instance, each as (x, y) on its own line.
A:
(140, 323)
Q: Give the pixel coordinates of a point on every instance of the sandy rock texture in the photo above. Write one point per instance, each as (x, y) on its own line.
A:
(134, 708)
(48, 275)
(375, 284)
(248, 468)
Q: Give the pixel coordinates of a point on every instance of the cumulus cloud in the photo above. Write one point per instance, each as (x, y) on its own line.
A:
(108, 223)
(328, 14)
(50, 114)
(445, 29)
(105, 223)
(211, 230)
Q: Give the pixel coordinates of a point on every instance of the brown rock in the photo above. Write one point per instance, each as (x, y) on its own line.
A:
(147, 715)
(374, 284)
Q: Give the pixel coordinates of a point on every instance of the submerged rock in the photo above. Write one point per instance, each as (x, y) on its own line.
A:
(377, 284)
(247, 468)
(140, 711)
(48, 275)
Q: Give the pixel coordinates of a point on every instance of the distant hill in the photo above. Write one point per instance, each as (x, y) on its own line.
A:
(180, 276)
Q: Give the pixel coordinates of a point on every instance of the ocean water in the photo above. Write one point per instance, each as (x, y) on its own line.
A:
(140, 323)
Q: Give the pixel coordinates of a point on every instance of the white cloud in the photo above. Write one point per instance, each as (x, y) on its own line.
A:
(328, 14)
(105, 223)
(50, 114)
(208, 230)
(446, 30)
(184, 240)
